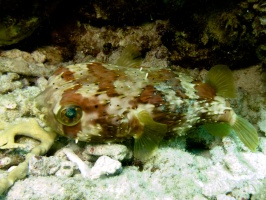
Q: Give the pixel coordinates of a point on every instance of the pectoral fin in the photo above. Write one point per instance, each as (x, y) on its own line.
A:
(148, 140)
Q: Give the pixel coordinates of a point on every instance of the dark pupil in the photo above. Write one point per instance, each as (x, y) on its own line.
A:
(71, 113)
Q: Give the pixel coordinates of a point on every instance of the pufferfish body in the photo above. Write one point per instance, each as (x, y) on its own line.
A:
(96, 102)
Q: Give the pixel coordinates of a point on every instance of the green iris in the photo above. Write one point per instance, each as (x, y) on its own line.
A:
(71, 112)
(69, 115)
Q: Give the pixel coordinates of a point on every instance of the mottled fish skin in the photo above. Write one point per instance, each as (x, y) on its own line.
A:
(110, 97)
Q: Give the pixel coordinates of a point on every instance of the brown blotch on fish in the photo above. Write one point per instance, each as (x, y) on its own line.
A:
(162, 75)
(70, 94)
(65, 73)
(205, 91)
(152, 96)
(105, 78)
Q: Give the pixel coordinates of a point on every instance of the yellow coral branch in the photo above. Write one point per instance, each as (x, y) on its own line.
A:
(31, 129)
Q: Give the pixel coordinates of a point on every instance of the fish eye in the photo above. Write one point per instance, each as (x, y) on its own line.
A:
(69, 115)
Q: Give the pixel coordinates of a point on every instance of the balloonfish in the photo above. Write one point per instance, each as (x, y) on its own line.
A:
(103, 103)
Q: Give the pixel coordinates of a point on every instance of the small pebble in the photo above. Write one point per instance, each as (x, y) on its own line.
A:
(105, 166)
(115, 151)
(5, 162)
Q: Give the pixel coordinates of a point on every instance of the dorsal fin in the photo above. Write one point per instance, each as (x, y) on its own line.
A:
(130, 57)
(220, 77)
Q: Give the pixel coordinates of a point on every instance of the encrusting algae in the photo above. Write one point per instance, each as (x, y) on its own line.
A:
(96, 102)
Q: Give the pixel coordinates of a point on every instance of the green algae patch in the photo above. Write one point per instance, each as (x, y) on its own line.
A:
(12, 31)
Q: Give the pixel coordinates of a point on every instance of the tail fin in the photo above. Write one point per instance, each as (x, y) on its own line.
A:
(246, 132)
